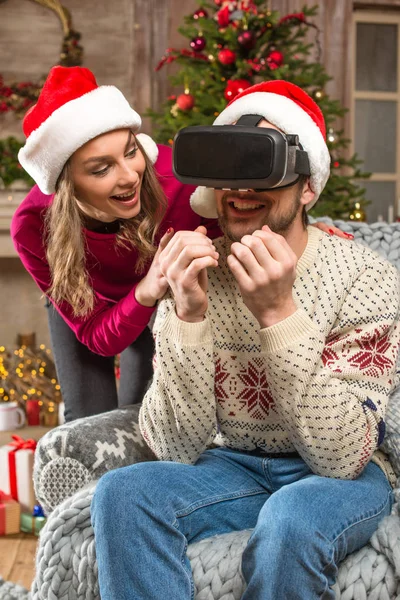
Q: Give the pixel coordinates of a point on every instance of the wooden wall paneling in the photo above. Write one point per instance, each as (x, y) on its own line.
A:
(160, 43)
(178, 11)
(31, 38)
(142, 52)
(26, 51)
(151, 40)
(107, 30)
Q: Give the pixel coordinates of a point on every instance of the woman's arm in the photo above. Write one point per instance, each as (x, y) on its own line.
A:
(110, 328)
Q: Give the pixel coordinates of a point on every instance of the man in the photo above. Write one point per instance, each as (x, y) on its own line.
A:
(272, 376)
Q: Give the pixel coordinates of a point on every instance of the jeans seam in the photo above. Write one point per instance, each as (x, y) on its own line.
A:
(184, 555)
(332, 561)
(267, 473)
(326, 566)
(184, 512)
(362, 520)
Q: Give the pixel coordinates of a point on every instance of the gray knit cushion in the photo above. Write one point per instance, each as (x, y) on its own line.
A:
(73, 454)
(66, 567)
(391, 443)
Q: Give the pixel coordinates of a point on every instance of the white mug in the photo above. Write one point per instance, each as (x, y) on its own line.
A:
(11, 416)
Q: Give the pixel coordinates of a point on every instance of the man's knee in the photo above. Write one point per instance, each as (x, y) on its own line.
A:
(286, 520)
(125, 486)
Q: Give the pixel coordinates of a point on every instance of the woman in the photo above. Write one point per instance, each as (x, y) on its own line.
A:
(92, 246)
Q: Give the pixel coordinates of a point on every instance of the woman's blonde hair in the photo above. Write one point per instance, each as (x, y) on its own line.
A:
(65, 240)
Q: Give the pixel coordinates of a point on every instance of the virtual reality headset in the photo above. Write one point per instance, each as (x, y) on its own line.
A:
(239, 157)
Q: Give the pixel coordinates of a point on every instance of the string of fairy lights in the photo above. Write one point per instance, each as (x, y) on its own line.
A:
(29, 373)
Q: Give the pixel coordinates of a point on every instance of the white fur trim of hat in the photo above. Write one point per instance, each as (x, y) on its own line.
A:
(149, 146)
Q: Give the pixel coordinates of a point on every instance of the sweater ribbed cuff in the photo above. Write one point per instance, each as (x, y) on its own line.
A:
(287, 332)
(134, 313)
(187, 334)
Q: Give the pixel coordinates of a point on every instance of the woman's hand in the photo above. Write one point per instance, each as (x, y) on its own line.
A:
(154, 285)
(332, 230)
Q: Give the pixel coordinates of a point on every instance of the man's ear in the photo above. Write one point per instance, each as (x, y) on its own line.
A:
(308, 194)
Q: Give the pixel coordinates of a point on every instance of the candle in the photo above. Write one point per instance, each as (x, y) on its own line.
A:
(390, 213)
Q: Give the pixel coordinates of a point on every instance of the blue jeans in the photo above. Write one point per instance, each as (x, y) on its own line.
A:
(144, 516)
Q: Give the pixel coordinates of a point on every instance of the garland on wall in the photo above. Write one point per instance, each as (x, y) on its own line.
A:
(18, 97)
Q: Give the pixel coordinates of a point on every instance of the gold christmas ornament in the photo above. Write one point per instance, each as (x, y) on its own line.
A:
(358, 214)
(331, 135)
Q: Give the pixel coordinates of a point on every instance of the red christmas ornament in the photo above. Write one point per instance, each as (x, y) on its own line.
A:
(223, 17)
(275, 59)
(235, 87)
(226, 57)
(198, 43)
(246, 40)
(218, 2)
(185, 102)
(200, 14)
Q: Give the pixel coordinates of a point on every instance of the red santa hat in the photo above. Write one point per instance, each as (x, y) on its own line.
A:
(71, 110)
(291, 110)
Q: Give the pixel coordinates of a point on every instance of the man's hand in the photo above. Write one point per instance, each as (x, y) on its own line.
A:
(264, 267)
(183, 263)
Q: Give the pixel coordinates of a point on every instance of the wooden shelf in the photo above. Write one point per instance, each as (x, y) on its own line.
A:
(27, 432)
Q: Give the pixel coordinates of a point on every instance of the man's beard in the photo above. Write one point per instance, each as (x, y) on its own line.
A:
(278, 223)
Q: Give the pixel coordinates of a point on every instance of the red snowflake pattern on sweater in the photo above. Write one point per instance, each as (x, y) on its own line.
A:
(221, 375)
(256, 395)
(372, 356)
(329, 357)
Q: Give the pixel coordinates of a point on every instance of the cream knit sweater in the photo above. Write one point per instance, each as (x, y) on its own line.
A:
(317, 383)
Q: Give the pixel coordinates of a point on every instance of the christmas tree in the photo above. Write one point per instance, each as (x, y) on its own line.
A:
(28, 373)
(234, 44)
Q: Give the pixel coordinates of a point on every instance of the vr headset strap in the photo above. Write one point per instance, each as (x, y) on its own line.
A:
(302, 164)
(249, 120)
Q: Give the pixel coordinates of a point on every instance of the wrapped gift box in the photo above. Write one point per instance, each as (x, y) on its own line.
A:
(31, 524)
(16, 471)
(9, 514)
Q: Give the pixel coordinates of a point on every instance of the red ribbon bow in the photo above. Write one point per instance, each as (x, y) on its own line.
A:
(18, 444)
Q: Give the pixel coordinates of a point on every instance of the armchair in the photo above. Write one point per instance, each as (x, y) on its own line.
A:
(71, 458)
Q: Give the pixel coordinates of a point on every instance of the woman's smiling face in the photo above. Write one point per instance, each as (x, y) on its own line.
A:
(107, 173)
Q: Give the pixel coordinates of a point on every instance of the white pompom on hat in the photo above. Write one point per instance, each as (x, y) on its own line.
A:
(291, 110)
(71, 110)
